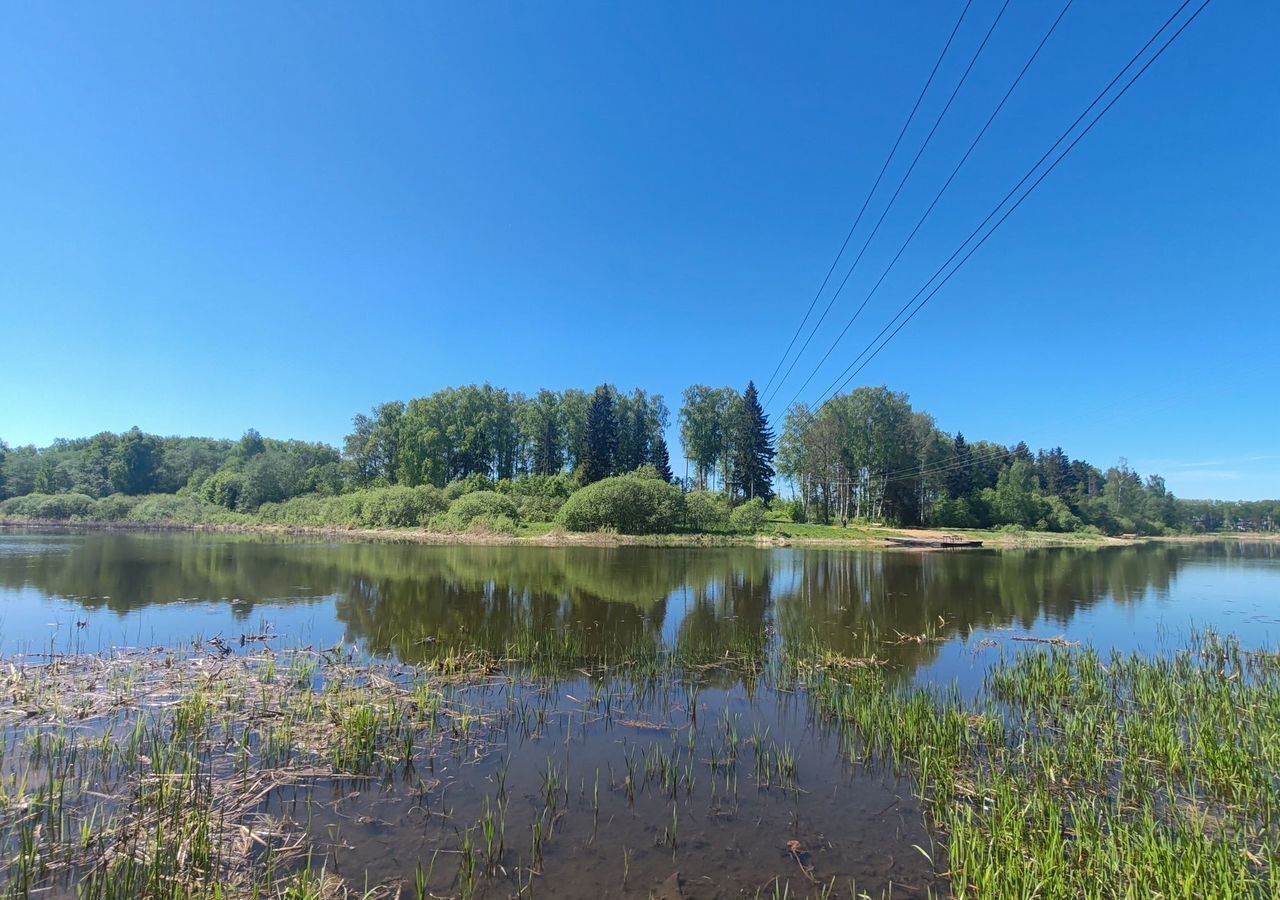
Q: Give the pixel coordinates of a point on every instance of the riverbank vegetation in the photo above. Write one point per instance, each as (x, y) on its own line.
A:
(864, 457)
(226, 769)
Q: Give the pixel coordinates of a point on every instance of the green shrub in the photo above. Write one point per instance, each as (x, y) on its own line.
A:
(114, 508)
(489, 505)
(400, 507)
(491, 525)
(379, 507)
(226, 488)
(47, 507)
(749, 517)
(795, 511)
(539, 509)
(706, 511)
(469, 485)
(1060, 517)
(630, 504)
(182, 508)
(553, 486)
(952, 513)
(312, 510)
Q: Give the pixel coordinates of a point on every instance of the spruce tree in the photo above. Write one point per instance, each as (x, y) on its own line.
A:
(661, 459)
(638, 439)
(960, 476)
(753, 450)
(602, 437)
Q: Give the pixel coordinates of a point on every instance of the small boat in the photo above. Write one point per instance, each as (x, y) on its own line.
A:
(933, 543)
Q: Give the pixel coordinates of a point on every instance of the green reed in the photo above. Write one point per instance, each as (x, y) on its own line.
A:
(1075, 776)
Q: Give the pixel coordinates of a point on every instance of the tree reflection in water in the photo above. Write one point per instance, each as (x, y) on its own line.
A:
(408, 600)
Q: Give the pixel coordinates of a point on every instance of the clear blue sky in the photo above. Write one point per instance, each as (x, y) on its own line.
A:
(223, 215)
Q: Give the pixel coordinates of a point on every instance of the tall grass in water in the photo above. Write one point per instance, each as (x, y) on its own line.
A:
(1071, 776)
(149, 774)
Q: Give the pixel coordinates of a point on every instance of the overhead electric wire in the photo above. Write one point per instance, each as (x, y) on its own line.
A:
(884, 168)
(950, 178)
(839, 384)
(939, 468)
(889, 206)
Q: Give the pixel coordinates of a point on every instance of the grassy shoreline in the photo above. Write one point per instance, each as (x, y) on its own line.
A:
(774, 534)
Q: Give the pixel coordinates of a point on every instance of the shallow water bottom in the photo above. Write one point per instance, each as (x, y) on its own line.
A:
(784, 813)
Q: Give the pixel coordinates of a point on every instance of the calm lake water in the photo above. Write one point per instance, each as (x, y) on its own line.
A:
(95, 591)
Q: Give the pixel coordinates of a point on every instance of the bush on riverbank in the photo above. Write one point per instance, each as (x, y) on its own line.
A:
(147, 509)
(484, 511)
(469, 485)
(539, 497)
(630, 504)
(638, 503)
(706, 511)
(386, 507)
(114, 508)
(47, 506)
(749, 517)
(157, 509)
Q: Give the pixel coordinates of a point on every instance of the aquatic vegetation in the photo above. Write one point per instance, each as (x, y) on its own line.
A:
(1074, 777)
(146, 773)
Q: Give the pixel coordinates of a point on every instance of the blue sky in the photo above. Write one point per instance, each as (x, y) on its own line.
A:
(217, 216)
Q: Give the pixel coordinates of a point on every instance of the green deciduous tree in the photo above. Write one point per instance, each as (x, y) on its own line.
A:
(1014, 499)
(543, 433)
(136, 464)
(47, 480)
(705, 429)
(1124, 496)
(373, 447)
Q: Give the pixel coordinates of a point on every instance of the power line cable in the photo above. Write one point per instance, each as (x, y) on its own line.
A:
(858, 219)
(889, 206)
(838, 384)
(910, 237)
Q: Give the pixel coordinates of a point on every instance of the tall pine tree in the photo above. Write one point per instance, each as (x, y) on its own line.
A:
(960, 474)
(753, 450)
(601, 438)
(661, 459)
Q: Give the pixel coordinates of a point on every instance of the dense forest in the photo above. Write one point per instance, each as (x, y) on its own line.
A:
(865, 456)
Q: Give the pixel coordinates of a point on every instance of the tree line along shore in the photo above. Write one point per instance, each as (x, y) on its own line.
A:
(483, 460)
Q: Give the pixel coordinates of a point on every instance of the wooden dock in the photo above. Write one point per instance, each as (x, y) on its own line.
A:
(932, 544)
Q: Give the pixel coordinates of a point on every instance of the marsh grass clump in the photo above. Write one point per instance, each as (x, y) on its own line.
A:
(149, 774)
(1075, 776)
